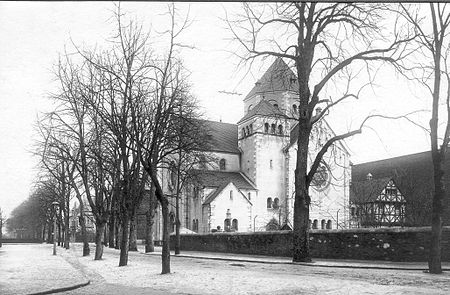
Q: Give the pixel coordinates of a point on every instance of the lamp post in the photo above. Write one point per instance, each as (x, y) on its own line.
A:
(54, 204)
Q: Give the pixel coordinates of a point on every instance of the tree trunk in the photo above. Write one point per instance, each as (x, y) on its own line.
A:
(105, 235)
(84, 237)
(118, 234)
(99, 235)
(302, 199)
(43, 231)
(59, 234)
(149, 243)
(67, 227)
(111, 230)
(150, 220)
(133, 233)
(49, 232)
(124, 243)
(434, 260)
(165, 255)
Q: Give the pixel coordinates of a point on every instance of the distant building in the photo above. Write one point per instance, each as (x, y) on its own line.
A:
(395, 192)
(74, 222)
(251, 185)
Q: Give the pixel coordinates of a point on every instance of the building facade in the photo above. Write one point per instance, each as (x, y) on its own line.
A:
(250, 184)
(396, 192)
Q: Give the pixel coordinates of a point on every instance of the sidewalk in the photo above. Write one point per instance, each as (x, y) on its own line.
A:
(32, 269)
(317, 262)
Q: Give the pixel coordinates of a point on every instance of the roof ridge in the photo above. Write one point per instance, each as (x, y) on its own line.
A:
(394, 158)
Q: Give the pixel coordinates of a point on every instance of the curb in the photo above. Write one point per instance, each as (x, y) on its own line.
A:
(63, 289)
(310, 264)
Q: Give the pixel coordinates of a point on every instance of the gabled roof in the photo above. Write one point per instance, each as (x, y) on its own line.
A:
(263, 108)
(214, 178)
(278, 77)
(367, 190)
(224, 137)
(413, 176)
(213, 195)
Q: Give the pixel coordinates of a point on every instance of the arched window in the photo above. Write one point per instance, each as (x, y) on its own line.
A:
(226, 225)
(272, 129)
(269, 202)
(276, 203)
(251, 128)
(280, 129)
(222, 164)
(249, 107)
(234, 225)
(249, 195)
(294, 108)
(243, 132)
(231, 195)
(172, 222)
(266, 127)
(271, 164)
(275, 105)
(329, 224)
(322, 224)
(315, 223)
(248, 130)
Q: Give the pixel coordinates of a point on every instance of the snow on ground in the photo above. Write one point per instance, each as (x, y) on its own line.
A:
(200, 276)
(30, 268)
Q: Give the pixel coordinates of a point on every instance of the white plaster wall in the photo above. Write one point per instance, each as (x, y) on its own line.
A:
(239, 207)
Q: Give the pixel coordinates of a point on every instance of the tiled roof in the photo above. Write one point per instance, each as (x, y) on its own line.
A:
(224, 136)
(367, 190)
(214, 194)
(213, 178)
(263, 108)
(278, 77)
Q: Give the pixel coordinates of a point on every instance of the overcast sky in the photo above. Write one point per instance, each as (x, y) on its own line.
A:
(33, 34)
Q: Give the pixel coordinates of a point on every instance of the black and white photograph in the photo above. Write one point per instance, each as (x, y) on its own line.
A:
(156, 147)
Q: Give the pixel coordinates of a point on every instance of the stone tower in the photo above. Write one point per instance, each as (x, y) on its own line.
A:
(264, 135)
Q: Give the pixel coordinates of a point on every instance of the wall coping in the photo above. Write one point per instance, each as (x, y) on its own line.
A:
(380, 230)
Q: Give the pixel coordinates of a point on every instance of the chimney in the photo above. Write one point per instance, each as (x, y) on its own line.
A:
(369, 176)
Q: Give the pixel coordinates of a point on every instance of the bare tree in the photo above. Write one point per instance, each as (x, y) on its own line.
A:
(432, 27)
(55, 166)
(323, 41)
(158, 114)
(192, 139)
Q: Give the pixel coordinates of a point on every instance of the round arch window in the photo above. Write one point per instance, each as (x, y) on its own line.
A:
(321, 178)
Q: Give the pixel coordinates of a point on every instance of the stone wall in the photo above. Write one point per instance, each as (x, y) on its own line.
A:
(392, 244)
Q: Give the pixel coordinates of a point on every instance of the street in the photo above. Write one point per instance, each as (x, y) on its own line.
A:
(199, 276)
